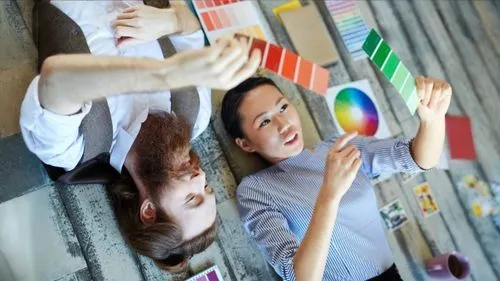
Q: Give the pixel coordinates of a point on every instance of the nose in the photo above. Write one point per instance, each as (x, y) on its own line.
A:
(283, 124)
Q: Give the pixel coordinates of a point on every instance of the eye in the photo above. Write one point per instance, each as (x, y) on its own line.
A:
(284, 107)
(265, 123)
(190, 198)
(208, 188)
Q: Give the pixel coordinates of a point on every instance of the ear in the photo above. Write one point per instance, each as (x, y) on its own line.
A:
(147, 212)
(244, 144)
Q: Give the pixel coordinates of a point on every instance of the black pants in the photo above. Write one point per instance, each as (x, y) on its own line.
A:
(390, 274)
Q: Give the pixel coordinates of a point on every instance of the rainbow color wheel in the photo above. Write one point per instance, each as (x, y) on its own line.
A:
(355, 111)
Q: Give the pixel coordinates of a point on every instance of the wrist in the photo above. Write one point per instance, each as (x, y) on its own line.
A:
(172, 23)
(329, 196)
(435, 123)
(167, 70)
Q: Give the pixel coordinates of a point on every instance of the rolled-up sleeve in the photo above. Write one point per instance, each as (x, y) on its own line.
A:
(386, 156)
(267, 226)
(55, 139)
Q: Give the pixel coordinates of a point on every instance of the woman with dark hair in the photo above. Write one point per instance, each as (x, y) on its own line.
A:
(313, 212)
(164, 206)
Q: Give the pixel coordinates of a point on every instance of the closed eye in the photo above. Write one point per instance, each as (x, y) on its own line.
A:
(190, 198)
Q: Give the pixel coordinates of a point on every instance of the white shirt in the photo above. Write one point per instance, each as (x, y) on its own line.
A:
(56, 139)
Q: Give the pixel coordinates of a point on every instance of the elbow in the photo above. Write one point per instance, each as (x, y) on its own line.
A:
(49, 66)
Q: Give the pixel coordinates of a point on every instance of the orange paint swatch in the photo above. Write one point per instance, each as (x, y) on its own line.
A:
(215, 19)
(208, 21)
(304, 73)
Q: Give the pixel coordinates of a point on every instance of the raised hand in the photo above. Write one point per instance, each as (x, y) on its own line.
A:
(221, 66)
(342, 165)
(435, 96)
(143, 23)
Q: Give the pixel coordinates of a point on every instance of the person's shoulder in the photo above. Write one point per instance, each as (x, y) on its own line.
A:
(254, 182)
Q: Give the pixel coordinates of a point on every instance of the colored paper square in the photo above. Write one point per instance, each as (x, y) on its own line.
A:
(225, 2)
(209, 3)
(223, 18)
(207, 21)
(259, 44)
(215, 19)
(390, 66)
(232, 16)
(212, 276)
(304, 75)
(273, 57)
(371, 42)
(202, 278)
(321, 78)
(218, 2)
(199, 4)
(399, 77)
(289, 64)
(408, 88)
(459, 132)
(381, 54)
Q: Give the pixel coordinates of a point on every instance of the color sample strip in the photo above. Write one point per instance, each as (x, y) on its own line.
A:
(289, 65)
(227, 17)
(203, 4)
(350, 24)
(393, 69)
(211, 274)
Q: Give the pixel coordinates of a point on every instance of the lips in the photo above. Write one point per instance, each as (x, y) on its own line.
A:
(291, 139)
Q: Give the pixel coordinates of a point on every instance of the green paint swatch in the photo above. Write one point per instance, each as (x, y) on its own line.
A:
(393, 69)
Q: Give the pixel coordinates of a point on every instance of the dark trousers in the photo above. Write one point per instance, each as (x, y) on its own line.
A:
(390, 274)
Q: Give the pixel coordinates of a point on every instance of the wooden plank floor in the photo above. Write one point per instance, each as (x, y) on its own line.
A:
(458, 41)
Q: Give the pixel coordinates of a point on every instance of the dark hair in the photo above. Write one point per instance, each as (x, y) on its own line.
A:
(232, 102)
(161, 141)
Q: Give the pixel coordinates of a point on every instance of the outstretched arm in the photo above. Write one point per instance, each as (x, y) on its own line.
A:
(67, 81)
(435, 98)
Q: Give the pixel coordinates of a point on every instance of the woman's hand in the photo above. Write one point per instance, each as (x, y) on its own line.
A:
(221, 66)
(342, 165)
(435, 96)
(143, 23)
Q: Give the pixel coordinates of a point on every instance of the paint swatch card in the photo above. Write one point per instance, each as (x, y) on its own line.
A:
(355, 109)
(312, 40)
(393, 215)
(224, 18)
(425, 199)
(459, 133)
(290, 66)
(350, 24)
(211, 274)
(203, 4)
(393, 69)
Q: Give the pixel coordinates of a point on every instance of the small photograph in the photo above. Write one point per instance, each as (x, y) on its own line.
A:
(394, 215)
(425, 199)
(210, 274)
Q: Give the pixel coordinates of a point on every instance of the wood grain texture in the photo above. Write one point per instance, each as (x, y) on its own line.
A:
(491, 21)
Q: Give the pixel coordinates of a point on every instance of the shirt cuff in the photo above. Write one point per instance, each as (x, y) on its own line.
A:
(191, 41)
(404, 150)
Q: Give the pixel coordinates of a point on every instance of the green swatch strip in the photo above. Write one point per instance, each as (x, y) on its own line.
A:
(393, 69)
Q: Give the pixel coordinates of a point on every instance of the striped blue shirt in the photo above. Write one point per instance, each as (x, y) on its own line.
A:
(276, 205)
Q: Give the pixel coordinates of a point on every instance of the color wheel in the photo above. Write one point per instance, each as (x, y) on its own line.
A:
(355, 111)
